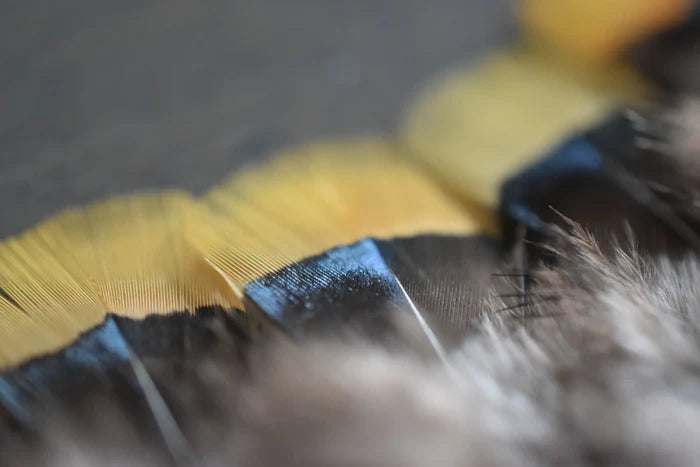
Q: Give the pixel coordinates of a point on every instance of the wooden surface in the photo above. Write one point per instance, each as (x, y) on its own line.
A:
(105, 97)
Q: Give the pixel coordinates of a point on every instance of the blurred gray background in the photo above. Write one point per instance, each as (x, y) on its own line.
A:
(106, 97)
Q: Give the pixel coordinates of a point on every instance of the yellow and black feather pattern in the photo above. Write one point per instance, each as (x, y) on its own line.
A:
(459, 293)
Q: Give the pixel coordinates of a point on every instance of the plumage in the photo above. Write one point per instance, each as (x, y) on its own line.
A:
(510, 279)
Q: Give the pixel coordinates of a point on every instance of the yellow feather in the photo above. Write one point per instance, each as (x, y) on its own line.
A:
(134, 251)
(320, 196)
(49, 304)
(127, 256)
(598, 30)
(475, 127)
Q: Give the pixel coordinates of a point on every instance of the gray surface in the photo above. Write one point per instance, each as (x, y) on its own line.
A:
(99, 97)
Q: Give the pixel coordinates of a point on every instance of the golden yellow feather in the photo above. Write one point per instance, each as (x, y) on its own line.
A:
(126, 256)
(598, 30)
(316, 197)
(475, 127)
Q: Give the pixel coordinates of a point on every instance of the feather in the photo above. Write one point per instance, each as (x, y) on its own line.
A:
(322, 196)
(599, 30)
(127, 256)
(346, 303)
(670, 58)
(476, 127)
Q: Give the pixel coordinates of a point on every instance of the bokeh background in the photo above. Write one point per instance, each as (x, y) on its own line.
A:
(105, 97)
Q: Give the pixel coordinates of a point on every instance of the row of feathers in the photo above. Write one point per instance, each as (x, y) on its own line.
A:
(599, 366)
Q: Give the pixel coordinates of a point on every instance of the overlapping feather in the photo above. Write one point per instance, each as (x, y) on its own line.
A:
(168, 252)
